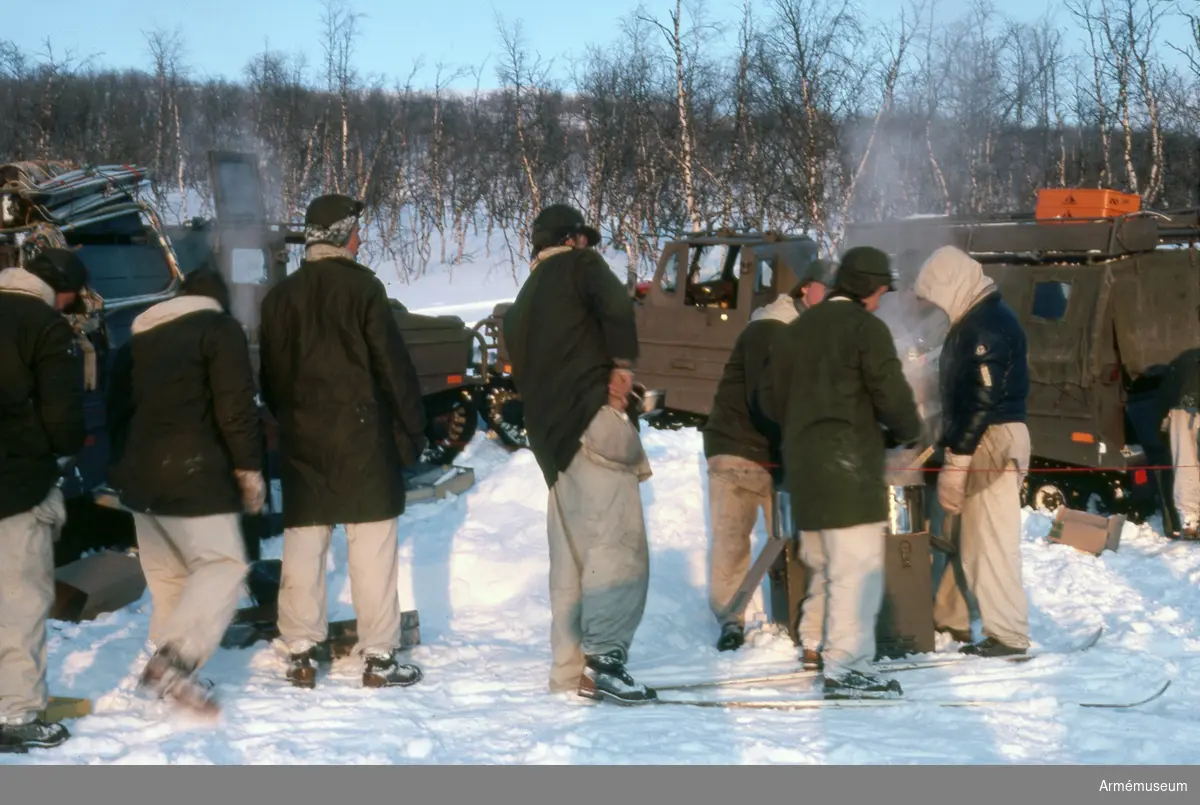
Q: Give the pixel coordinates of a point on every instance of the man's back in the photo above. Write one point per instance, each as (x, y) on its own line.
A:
(569, 322)
(338, 377)
(836, 379)
(735, 426)
(41, 409)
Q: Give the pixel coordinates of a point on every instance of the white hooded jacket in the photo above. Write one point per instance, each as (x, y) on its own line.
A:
(954, 281)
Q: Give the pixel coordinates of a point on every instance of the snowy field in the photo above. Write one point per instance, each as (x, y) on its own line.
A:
(476, 568)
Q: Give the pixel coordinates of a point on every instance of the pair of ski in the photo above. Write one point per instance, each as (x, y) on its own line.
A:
(891, 666)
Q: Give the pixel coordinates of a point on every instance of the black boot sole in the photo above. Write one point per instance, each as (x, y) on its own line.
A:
(605, 696)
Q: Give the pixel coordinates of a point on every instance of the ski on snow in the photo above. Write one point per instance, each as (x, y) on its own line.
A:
(885, 667)
(815, 704)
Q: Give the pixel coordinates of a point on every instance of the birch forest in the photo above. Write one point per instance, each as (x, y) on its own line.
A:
(805, 115)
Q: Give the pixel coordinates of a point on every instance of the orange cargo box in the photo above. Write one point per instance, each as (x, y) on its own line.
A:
(1084, 203)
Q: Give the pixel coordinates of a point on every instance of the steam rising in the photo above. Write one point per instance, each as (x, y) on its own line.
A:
(919, 329)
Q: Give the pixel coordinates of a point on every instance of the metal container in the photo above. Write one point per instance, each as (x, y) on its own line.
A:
(906, 509)
(781, 514)
(649, 402)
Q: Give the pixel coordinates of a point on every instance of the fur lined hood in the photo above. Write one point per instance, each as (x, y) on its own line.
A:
(172, 309)
(18, 280)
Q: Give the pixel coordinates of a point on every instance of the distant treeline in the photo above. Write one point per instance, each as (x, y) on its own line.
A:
(813, 119)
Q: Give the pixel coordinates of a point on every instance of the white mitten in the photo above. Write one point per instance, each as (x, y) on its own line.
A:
(952, 482)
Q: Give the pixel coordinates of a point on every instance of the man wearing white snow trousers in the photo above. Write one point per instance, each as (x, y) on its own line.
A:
(187, 461)
(984, 379)
(338, 378)
(41, 426)
(573, 341)
(837, 388)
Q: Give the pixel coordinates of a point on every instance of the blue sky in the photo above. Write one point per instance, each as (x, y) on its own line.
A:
(220, 36)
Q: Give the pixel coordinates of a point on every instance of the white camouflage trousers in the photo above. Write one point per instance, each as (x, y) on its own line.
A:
(986, 570)
(599, 558)
(195, 568)
(1184, 430)
(848, 565)
(303, 608)
(26, 597)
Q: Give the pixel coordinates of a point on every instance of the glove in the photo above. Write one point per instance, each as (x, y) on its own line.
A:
(254, 490)
(52, 511)
(952, 482)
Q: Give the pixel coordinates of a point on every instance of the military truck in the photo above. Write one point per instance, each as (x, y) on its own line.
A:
(1107, 300)
(135, 261)
(705, 287)
(685, 337)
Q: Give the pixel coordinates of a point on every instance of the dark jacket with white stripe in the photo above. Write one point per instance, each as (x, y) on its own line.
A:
(182, 413)
(41, 392)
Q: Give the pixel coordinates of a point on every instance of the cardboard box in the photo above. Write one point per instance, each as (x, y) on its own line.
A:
(1090, 533)
(94, 585)
(60, 708)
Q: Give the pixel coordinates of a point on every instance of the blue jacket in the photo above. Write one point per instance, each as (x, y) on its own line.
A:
(984, 374)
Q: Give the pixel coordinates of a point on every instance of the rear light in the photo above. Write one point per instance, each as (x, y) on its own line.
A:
(1083, 438)
(454, 380)
(508, 368)
(1140, 477)
(89, 441)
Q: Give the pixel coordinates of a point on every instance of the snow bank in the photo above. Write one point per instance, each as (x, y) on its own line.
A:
(476, 568)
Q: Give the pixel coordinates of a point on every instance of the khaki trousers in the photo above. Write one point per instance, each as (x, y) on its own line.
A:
(303, 613)
(737, 489)
(26, 597)
(987, 567)
(195, 568)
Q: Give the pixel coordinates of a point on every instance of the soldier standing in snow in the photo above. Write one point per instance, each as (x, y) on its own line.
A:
(339, 380)
(187, 460)
(740, 445)
(573, 341)
(41, 426)
(1180, 397)
(836, 385)
(984, 378)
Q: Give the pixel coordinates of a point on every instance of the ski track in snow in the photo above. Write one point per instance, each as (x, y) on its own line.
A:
(476, 568)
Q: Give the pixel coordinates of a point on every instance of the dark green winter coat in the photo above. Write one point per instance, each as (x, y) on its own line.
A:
(181, 411)
(571, 324)
(834, 378)
(337, 376)
(41, 392)
(735, 425)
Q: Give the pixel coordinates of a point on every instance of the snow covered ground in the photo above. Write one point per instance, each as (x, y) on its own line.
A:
(476, 569)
